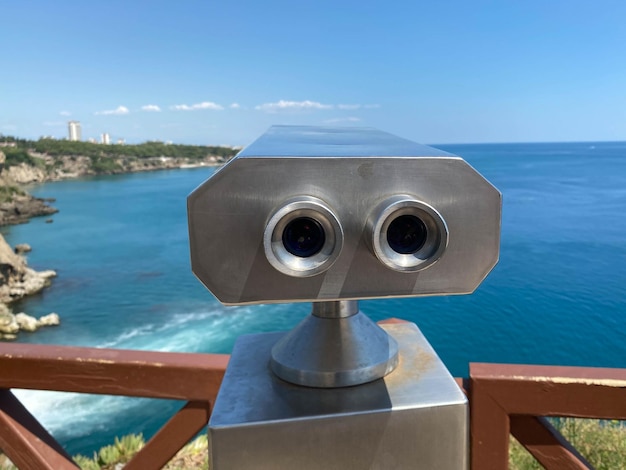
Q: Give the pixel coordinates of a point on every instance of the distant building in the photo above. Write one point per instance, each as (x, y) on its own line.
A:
(121, 142)
(74, 130)
(91, 140)
(105, 139)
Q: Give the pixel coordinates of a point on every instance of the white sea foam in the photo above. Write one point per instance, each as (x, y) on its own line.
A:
(75, 415)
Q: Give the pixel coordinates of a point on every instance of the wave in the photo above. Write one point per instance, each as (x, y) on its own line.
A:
(71, 416)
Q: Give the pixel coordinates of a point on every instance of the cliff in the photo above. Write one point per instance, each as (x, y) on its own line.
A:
(17, 206)
(17, 280)
(29, 161)
(26, 162)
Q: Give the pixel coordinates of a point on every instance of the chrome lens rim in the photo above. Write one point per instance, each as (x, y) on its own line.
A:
(429, 252)
(292, 265)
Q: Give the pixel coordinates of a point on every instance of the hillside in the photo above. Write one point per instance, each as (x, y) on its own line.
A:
(25, 162)
(50, 159)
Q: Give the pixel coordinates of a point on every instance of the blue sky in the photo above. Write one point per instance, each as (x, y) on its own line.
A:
(207, 72)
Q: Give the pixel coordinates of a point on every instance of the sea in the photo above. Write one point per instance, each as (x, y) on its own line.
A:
(120, 247)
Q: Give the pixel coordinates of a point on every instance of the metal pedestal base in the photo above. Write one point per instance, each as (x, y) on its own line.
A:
(336, 346)
(416, 417)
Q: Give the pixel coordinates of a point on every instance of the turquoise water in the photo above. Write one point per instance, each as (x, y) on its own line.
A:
(119, 245)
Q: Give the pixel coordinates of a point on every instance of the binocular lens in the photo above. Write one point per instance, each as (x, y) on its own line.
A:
(406, 234)
(304, 237)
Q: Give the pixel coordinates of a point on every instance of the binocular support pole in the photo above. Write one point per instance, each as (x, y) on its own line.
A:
(335, 346)
(415, 417)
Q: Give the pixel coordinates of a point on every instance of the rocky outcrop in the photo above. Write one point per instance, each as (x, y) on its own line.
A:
(52, 319)
(21, 208)
(16, 206)
(11, 324)
(22, 248)
(17, 280)
(26, 174)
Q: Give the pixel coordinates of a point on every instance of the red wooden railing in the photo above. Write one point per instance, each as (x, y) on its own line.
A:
(194, 378)
(514, 399)
(504, 399)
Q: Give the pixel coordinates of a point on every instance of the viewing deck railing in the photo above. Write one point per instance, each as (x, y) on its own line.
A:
(194, 378)
(504, 400)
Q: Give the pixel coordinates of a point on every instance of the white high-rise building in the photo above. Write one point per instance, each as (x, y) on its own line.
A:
(105, 139)
(74, 130)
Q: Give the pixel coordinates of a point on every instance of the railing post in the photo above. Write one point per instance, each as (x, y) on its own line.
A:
(490, 427)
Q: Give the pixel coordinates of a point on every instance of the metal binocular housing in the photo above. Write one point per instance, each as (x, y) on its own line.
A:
(331, 214)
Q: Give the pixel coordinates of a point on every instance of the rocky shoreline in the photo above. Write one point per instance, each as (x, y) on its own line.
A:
(17, 206)
(70, 167)
(17, 281)
(22, 207)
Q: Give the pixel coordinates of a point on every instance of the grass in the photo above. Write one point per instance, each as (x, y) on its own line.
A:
(602, 443)
(193, 456)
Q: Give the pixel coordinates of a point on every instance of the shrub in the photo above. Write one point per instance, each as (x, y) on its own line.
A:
(7, 193)
(105, 165)
(15, 156)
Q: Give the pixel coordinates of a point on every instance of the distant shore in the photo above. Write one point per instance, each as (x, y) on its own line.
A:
(24, 167)
(72, 167)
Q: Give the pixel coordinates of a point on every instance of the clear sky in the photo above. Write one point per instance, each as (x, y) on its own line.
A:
(221, 72)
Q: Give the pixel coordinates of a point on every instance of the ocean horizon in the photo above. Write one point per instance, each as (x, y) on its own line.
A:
(120, 247)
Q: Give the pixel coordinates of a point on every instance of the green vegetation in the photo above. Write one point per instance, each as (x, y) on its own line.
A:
(58, 155)
(192, 456)
(7, 193)
(121, 451)
(55, 148)
(105, 165)
(15, 156)
(602, 443)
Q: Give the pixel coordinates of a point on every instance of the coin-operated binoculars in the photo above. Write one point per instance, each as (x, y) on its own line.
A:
(331, 216)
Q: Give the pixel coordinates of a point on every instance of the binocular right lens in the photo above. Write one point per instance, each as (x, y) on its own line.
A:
(407, 235)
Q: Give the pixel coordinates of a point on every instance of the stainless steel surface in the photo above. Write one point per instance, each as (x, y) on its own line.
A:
(414, 418)
(333, 141)
(353, 171)
(338, 351)
(336, 309)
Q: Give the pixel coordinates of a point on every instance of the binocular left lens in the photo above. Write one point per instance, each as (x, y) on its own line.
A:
(303, 237)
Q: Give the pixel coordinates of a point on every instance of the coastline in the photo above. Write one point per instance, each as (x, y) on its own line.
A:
(69, 167)
(17, 280)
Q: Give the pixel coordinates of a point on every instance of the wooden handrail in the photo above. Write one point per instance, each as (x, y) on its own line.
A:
(504, 399)
(512, 399)
(179, 376)
(194, 378)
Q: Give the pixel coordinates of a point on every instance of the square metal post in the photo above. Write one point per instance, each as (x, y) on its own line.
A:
(416, 417)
